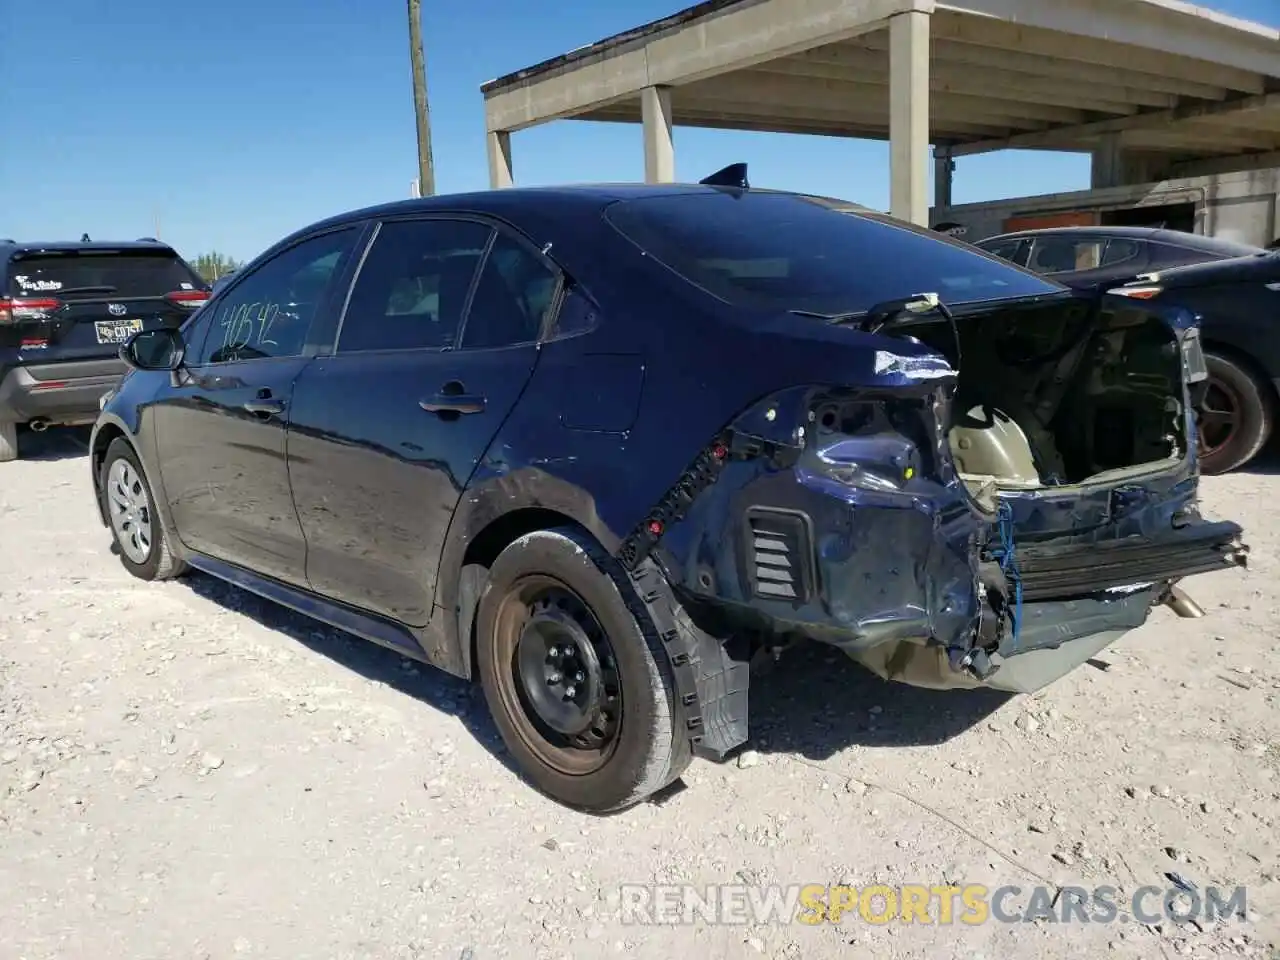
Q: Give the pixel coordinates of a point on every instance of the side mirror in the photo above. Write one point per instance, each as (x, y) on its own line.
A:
(160, 349)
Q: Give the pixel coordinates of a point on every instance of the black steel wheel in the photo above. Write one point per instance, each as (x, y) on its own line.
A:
(1233, 420)
(574, 674)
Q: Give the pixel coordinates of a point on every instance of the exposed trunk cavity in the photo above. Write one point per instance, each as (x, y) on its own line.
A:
(1063, 394)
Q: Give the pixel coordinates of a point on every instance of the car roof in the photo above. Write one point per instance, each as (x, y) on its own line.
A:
(10, 247)
(583, 196)
(1178, 238)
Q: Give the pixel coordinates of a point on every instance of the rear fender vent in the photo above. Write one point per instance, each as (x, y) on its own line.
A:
(779, 553)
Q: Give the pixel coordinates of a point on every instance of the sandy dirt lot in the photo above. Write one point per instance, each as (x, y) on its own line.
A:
(189, 772)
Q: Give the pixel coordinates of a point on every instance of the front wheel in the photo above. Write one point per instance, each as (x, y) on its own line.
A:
(1235, 416)
(575, 675)
(129, 504)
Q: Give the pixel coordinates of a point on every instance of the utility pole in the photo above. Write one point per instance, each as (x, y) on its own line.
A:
(426, 170)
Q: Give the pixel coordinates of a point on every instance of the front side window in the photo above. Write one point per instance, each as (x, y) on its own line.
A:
(786, 251)
(1004, 249)
(268, 313)
(412, 290)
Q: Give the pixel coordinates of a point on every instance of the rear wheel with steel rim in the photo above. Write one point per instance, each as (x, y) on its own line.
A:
(129, 505)
(1233, 420)
(574, 674)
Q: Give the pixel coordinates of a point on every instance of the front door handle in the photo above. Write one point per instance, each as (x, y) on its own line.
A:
(453, 403)
(263, 405)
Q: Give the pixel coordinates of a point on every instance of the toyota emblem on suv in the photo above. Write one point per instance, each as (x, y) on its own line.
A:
(116, 309)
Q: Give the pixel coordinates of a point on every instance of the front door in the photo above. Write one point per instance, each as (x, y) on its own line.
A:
(436, 346)
(221, 431)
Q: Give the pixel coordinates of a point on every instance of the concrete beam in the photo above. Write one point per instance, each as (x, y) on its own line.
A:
(1150, 120)
(1244, 163)
(854, 114)
(909, 116)
(499, 148)
(659, 147)
(1000, 87)
(725, 41)
(1155, 36)
(784, 93)
(1136, 84)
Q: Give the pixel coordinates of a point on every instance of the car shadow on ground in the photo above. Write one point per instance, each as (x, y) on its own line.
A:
(435, 688)
(816, 702)
(1265, 464)
(56, 443)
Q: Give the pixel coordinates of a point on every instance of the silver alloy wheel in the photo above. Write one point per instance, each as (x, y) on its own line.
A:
(130, 510)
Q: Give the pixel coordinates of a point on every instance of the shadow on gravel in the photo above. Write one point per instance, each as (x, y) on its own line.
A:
(433, 687)
(1265, 464)
(56, 443)
(816, 702)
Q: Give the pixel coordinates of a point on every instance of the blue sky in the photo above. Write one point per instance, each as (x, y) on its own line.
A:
(237, 128)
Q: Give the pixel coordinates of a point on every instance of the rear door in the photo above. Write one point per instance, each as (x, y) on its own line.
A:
(438, 341)
(100, 296)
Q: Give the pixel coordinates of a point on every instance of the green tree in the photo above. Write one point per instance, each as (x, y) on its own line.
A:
(213, 265)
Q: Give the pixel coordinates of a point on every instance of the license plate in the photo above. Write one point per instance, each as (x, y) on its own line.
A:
(116, 331)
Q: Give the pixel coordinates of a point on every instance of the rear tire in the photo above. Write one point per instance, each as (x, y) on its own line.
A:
(1236, 416)
(8, 441)
(136, 528)
(575, 676)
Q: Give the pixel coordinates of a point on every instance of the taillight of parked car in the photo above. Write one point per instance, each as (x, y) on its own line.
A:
(188, 299)
(27, 309)
(1143, 292)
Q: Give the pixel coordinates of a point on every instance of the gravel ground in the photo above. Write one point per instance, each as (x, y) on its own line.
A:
(189, 772)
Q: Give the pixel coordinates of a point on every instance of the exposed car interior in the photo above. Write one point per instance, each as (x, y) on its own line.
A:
(1056, 395)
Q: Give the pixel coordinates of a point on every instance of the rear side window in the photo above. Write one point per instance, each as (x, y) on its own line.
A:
(1004, 249)
(785, 251)
(413, 286)
(91, 274)
(512, 297)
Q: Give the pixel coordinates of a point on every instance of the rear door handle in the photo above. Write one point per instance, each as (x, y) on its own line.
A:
(453, 403)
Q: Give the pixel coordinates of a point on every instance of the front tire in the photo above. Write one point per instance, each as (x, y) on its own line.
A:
(1235, 416)
(575, 675)
(129, 504)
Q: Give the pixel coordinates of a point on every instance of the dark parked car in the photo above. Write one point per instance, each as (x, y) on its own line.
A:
(602, 446)
(1237, 303)
(65, 309)
(1092, 257)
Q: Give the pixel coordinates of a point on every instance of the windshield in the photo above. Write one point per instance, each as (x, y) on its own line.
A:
(86, 275)
(786, 251)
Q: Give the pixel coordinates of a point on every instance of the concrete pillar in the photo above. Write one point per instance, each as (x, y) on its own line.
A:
(1104, 170)
(944, 169)
(659, 147)
(499, 159)
(1115, 165)
(909, 116)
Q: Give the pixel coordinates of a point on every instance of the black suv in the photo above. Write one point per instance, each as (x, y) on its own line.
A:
(65, 309)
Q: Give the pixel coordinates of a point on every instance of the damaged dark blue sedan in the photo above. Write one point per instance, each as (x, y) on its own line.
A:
(601, 447)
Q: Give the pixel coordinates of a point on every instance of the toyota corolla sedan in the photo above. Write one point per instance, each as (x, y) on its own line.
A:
(601, 446)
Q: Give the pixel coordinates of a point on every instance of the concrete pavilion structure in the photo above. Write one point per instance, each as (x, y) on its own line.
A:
(1141, 84)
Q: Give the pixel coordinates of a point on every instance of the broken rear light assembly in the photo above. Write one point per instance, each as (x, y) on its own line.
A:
(27, 309)
(701, 474)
